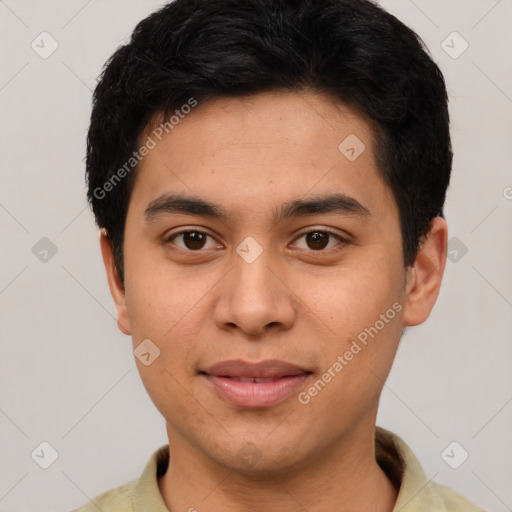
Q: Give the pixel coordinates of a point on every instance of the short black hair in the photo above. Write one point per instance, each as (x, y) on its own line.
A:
(352, 50)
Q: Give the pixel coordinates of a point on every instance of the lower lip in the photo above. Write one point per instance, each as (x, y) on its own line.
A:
(256, 394)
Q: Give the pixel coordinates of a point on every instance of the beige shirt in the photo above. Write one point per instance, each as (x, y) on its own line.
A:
(417, 493)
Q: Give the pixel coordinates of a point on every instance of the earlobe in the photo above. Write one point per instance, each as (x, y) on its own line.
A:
(114, 283)
(425, 277)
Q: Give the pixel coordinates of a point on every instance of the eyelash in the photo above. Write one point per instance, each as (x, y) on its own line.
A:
(340, 246)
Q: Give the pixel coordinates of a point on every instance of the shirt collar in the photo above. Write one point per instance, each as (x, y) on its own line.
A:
(404, 469)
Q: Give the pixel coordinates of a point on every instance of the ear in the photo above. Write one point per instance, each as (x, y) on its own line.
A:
(114, 283)
(425, 276)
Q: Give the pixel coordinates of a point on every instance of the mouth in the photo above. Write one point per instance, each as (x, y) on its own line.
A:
(255, 385)
(250, 379)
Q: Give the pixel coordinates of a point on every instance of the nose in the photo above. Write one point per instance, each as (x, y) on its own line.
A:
(255, 297)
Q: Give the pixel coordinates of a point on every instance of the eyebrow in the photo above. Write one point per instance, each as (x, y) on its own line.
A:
(332, 203)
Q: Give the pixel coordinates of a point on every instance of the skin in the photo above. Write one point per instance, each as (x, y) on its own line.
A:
(297, 302)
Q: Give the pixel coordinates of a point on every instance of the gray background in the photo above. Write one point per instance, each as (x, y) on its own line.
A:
(67, 375)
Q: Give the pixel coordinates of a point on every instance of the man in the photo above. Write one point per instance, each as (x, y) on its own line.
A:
(269, 180)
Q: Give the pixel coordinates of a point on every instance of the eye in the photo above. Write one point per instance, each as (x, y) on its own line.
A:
(195, 240)
(192, 240)
(320, 239)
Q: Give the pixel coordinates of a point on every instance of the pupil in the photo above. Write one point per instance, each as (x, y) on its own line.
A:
(317, 239)
(194, 240)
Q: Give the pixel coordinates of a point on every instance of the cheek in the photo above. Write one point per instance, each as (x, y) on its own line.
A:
(168, 391)
(164, 315)
(361, 307)
(365, 326)
(171, 310)
(158, 297)
(355, 296)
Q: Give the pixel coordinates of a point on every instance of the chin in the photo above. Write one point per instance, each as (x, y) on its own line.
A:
(260, 458)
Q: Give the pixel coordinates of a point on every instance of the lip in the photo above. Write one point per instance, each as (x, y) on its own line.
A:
(255, 385)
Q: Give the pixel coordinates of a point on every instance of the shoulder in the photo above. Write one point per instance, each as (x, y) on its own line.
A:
(137, 493)
(454, 501)
(119, 499)
(416, 491)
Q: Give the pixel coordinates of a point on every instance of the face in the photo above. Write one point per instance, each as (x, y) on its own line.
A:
(263, 260)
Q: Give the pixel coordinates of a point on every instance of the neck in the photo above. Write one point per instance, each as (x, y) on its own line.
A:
(345, 478)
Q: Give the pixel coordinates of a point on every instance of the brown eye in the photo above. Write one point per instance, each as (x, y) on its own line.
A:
(320, 239)
(192, 240)
(317, 240)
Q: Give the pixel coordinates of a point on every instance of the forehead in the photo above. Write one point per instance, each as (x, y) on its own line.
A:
(262, 150)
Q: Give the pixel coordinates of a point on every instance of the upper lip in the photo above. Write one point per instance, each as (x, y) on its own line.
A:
(269, 369)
